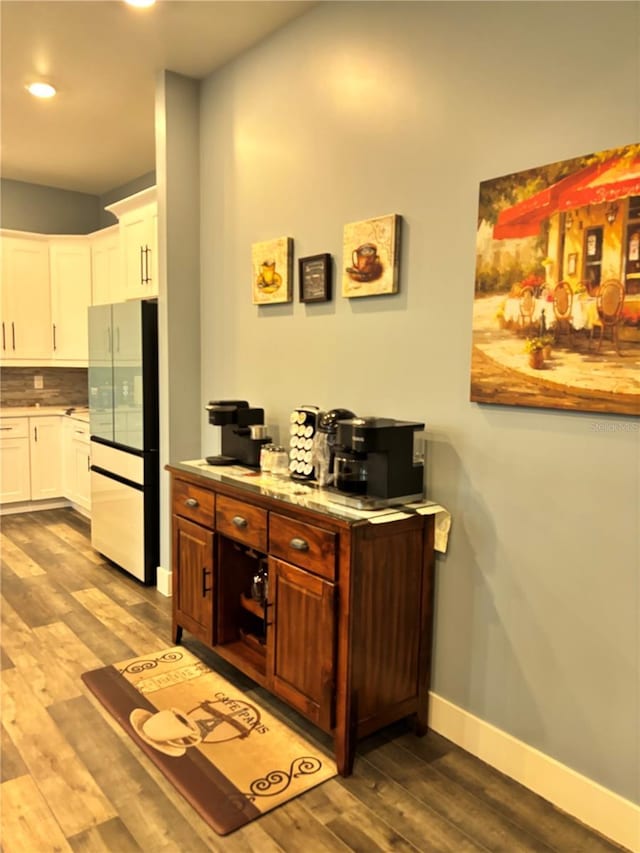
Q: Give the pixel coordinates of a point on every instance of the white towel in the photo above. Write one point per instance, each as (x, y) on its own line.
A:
(442, 522)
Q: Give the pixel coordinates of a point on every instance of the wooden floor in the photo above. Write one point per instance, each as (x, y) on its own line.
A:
(72, 779)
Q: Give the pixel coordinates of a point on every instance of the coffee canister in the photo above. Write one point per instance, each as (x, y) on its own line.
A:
(280, 462)
(266, 458)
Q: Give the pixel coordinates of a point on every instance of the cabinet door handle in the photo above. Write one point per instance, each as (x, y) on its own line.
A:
(205, 589)
(192, 502)
(239, 521)
(88, 463)
(9, 428)
(141, 265)
(299, 544)
(4, 344)
(54, 337)
(13, 335)
(35, 433)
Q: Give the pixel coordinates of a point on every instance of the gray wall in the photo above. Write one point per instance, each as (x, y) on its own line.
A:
(356, 111)
(47, 210)
(177, 125)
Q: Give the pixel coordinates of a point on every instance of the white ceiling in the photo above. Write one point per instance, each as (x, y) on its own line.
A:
(98, 132)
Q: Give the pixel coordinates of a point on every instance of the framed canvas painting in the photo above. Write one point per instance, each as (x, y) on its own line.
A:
(371, 257)
(272, 263)
(556, 313)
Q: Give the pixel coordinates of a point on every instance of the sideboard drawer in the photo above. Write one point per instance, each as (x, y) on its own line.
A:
(303, 545)
(242, 521)
(193, 503)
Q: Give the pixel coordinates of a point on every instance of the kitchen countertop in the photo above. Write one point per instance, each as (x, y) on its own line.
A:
(80, 413)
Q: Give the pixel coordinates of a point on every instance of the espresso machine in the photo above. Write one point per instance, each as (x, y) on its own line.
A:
(378, 462)
(243, 432)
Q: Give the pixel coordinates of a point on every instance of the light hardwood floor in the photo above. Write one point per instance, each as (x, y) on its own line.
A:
(72, 779)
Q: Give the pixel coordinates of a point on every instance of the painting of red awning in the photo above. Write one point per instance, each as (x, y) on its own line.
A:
(556, 313)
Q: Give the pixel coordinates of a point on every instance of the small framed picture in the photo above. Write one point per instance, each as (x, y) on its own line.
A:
(272, 262)
(315, 278)
(572, 263)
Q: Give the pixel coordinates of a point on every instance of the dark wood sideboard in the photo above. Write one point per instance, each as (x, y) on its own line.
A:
(344, 634)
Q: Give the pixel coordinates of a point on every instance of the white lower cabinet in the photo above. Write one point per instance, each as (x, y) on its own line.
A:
(44, 458)
(77, 461)
(45, 438)
(15, 477)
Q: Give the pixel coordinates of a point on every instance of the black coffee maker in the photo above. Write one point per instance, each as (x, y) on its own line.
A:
(378, 462)
(243, 432)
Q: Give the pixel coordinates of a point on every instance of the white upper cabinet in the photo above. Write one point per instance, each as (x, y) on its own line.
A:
(107, 280)
(70, 260)
(26, 301)
(138, 221)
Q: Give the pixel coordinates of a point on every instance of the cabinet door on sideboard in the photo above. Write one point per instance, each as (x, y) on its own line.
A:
(300, 641)
(193, 578)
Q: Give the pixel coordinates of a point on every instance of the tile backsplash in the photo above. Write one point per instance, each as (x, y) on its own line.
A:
(61, 386)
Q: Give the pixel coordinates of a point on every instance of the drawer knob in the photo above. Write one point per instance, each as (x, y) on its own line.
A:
(192, 502)
(299, 544)
(239, 521)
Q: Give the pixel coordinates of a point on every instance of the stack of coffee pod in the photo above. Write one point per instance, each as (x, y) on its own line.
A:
(302, 429)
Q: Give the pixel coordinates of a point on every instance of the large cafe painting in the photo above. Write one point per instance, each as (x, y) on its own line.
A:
(556, 314)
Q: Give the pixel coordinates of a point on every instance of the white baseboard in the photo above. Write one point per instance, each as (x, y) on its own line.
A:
(33, 506)
(596, 806)
(163, 581)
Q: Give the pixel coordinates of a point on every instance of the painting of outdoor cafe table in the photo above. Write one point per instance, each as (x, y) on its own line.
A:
(556, 314)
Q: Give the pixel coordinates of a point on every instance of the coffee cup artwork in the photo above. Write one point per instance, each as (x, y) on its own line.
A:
(169, 731)
(371, 251)
(272, 262)
(268, 279)
(365, 263)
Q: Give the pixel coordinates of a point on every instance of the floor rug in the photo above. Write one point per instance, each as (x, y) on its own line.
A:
(230, 758)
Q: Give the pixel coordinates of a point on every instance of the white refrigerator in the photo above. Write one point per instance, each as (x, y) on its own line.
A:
(124, 426)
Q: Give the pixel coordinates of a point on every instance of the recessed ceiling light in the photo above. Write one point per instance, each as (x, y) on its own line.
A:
(41, 90)
(141, 4)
